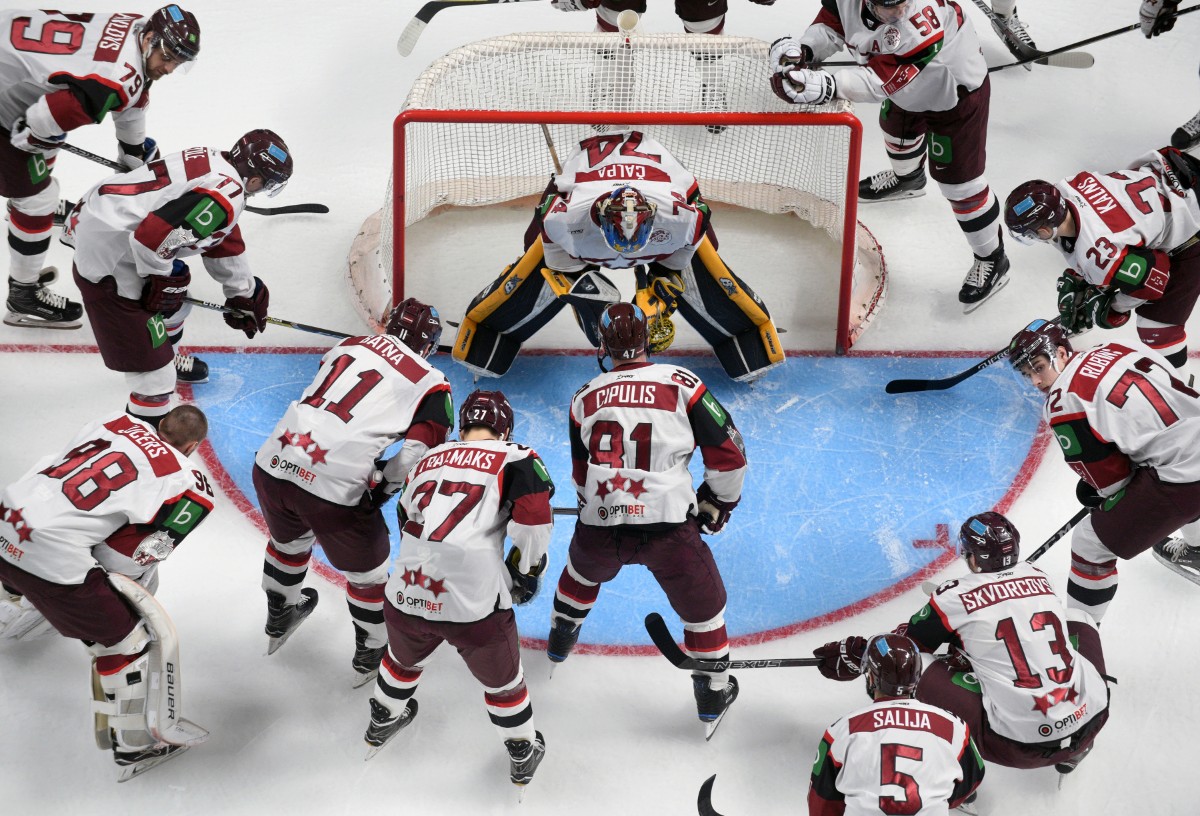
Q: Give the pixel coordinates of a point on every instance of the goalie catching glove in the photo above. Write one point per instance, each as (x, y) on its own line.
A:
(256, 304)
(841, 659)
(712, 513)
(524, 585)
(804, 86)
(658, 300)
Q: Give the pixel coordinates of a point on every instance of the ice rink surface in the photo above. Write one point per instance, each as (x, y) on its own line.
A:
(621, 731)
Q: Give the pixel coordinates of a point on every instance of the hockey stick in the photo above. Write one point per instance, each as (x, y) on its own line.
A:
(661, 635)
(566, 511)
(704, 801)
(285, 210)
(550, 145)
(412, 31)
(1027, 54)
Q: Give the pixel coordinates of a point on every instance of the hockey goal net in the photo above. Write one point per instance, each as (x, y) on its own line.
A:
(479, 125)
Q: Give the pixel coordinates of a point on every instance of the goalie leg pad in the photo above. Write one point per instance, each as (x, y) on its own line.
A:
(588, 293)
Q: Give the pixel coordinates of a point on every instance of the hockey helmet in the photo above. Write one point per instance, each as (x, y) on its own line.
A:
(415, 325)
(626, 219)
(1032, 206)
(262, 153)
(887, 11)
(992, 539)
(1038, 338)
(489, 409)
(892, 665)
(175, 30)
(623, 334)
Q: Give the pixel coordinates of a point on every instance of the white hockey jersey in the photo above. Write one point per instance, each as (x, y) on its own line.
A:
(1119, 216)
(368, 393)
(133, 225)
(894, 756)
(460, 501)
(571, 236)
(1036, 687)
(96, 56)
(920, 62)
(116, 472)
(633, 431)
(1114, 408)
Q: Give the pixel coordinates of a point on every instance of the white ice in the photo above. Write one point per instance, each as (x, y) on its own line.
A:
(621, 732)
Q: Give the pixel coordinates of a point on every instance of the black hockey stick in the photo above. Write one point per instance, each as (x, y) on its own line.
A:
(412, 31)
(1059, 534)
(908, 386)
(661, 635)
(566, 511)
(285, 210)
(704, 801)
(1027, 54)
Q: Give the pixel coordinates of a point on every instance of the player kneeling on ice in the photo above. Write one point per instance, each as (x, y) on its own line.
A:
(321, 479)
(452, 582)
(921, 59)
(120, 478)
(858, 758)
(621, 201)
(1131, 431)
(131, 234)
(632, 433)
(1131, 240)
(1026, 674)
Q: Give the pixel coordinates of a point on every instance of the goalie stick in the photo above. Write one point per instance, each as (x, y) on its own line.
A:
(656, 627)
(412, 31)
(285, 210)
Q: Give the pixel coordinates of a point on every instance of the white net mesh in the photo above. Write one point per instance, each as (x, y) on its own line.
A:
(773, 168)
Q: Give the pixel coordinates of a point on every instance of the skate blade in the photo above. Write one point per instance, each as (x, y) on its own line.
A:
(273, 644)
(970, 307)
(971, 809)
(710, 728)
(30, 322)
(896, 197)
(1175, 568)
(128, 772)
(361, 680)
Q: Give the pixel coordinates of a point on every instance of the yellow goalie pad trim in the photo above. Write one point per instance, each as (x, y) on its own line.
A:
(718, 270)
(512, 278)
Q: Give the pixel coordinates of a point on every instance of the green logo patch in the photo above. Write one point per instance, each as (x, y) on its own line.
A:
(449, 410)
(206, 217)
(714, 407)
(540, 470)
(822, 752)
(1133, 270)
(1067, 440)
(157, 329)
(967, 680)
(38, 171)
(111, 102)
(940, 148)
(922, 613)
(185, 515)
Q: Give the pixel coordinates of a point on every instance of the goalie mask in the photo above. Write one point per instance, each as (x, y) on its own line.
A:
(622, 332)
(1040, 337)
(992, 540)
(626, 219)
(488, 409)
(175, 31)
(262, 153)
(1034, 205)
(892, 665)
(415, 325)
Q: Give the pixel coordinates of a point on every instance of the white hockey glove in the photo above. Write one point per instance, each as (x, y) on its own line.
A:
(1157, 16)
(804, 86)
(787, 53)
(133, 156)
(23, 138)
(574, 5)
(154, 548)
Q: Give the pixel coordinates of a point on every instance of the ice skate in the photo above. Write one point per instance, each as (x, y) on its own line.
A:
(1015, 36)
(986, 277)
(562, 639)
(190, 369)
(34, 306)
(1187, 135)
(524, 757)
(1070, 765)
(136, 763)
(62, 211)
(1175, 554)
(283, 618)
(970, 805)
(713, 703)
(366, 658)
(384, 725)
(887, 186)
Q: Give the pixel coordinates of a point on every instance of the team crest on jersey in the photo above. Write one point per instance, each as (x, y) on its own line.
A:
(175, 238)
(660, 236)
(891, 38)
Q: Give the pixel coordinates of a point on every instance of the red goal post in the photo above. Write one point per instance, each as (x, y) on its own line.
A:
(473, 134)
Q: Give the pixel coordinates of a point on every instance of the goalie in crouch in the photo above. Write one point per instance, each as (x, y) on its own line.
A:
(621, 202)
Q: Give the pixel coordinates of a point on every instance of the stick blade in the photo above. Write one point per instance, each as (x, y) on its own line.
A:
(704, 803)
(410, 35)
(656, 627)
(1069, 59)
(911, 386)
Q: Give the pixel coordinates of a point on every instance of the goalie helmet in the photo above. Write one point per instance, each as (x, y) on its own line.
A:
(415, 325)
(892, 665)
(1038, 338)
(992, 539)
(176, 30)
(623, 332)
(489, 409)
(626, 219)
(262, 153)
(1032, 206)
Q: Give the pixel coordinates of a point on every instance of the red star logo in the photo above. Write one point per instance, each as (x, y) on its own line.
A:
(1043, 703)
(414, 577)
(602, 490)
(285, 439)
(636, 487)
(302, 441)
(1053, 698)
(618, 482)
(437, 587)
(3, 511)
(317, 454)
(24, 533)
(14, 517)
(1072, 696)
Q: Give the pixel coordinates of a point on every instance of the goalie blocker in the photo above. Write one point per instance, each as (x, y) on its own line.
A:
(527, 295)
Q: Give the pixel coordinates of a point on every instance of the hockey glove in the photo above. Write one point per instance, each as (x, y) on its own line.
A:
(1098, 311)
(134, 156)
(379, 489)
(23, 138)
(841, 659)
(803, 86)
(1157, 16)
(1071, 291)
(788, 53)
(1087, 495)
(713, 514)
(524, 586)
(256, 304)
(154, 548)
(574, 5)
(165, 293)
